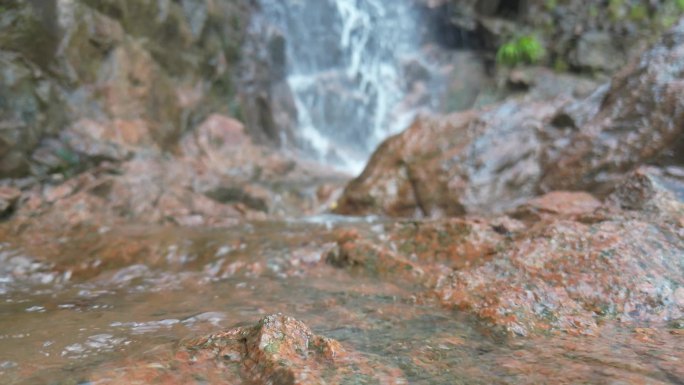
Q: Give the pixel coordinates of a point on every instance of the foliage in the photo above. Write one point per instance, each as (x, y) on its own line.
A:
(551, 4)
(69, 164)
(593, 11)
(669, 13)
(638, 12)
(560, 65)
(525, 49)
(616, 9)
(68, 156)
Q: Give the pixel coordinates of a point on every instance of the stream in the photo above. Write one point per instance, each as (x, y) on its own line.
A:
(133, 294)
(357, 72)
(562, 288)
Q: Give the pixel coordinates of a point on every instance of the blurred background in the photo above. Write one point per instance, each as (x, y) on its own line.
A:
(326, 79)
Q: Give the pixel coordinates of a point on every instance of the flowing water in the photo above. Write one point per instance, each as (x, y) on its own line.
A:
(356, 72)
(75, 308)
(111, 298)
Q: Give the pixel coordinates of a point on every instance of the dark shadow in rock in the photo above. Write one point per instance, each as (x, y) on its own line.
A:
(237, 195)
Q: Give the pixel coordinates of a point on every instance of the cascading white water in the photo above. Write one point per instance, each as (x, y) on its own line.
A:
(354, 68)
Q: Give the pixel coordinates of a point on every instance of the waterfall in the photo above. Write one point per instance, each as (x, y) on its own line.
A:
(355, 73)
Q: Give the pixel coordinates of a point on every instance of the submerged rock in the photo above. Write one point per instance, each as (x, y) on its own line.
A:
(278, 350)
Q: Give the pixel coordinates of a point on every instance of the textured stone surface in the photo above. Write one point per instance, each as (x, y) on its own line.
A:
(278, 350)
(492, 160)
(159, 66)
(569, 264)
(217, 177)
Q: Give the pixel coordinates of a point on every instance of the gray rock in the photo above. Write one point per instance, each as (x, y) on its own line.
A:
(598, 51)
(8, 199)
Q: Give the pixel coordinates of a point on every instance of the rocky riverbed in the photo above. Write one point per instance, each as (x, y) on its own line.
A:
(564, 281)
(150, 234)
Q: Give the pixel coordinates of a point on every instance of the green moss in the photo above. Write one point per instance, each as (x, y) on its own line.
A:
(525, 49)
(235, 109)
(70, 163)
(638, 13)
(668, 14)
(593, 11)
(616, 9)
(560, 65)
(551, 4)
(272, 347)
(677, 324)
(69, 157)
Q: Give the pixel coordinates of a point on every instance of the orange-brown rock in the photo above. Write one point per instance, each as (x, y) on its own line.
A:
(278, 350)
(572, 264)
(464, 163)
(356, 253)
(558, 203)
(456, 243)
(568, 276)
(216, 177)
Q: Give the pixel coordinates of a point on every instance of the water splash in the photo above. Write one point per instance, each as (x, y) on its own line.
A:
(354, 68)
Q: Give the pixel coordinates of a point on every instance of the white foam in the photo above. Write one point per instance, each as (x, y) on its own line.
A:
(344, 67)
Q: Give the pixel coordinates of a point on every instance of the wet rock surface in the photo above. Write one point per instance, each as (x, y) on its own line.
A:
(618, 138)
(277, 350)
(542, 284)
(144, 231)
(153, 69)
(459, 164)
(565, 281)
(566, 263)
(493, 160)
(217, 177)
(8, 200)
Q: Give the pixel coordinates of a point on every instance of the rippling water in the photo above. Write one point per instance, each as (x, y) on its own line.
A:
(107, 300)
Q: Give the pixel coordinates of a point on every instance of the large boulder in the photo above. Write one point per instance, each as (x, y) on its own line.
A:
(159, 65)
(562, 262)
(492, 160)
(641, 116)
(468, 162)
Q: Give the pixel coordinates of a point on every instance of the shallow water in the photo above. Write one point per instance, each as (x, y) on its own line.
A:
(110, 297)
